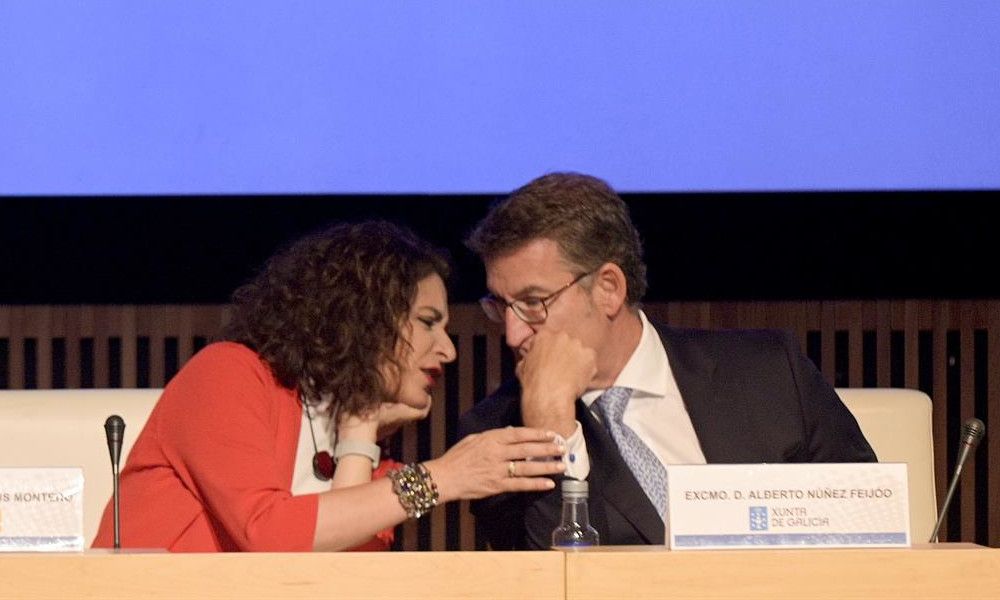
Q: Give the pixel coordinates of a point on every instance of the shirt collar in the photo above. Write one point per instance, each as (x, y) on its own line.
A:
(643, 372)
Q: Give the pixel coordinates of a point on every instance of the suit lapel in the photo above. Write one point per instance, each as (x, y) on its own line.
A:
(717, 422)
(613, 480)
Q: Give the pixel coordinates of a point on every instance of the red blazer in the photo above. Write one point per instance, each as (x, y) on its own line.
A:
(212, 468)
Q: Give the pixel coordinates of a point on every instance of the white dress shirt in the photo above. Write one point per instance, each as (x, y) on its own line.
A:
(655, 412)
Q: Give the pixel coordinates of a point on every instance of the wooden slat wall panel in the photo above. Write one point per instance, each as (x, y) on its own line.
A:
(466, 392)
(71, 333)
(100, 330)
(965, 328)
(939, 394)
(993, 421)
(43, 345)
(16, 347)
(106, 327)
(883, 327)
(439, 522)
(849, 317)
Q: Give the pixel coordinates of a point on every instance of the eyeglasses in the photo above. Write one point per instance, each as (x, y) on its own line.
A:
(533, 311)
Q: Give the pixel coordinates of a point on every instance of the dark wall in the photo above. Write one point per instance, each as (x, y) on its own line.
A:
(698, 246)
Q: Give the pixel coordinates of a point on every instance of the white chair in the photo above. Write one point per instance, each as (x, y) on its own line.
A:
(65, 428)
(898, 425)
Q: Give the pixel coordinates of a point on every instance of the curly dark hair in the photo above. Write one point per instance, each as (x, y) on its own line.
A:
(326, 312)
(581, 213)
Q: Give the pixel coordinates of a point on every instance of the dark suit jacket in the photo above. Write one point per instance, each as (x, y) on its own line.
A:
(753, 397)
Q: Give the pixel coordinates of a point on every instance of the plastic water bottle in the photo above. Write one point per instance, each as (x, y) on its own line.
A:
(574, 531)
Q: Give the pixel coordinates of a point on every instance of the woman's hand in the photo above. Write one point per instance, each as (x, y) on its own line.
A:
(381, 424)
(393, 415)
(492, 462)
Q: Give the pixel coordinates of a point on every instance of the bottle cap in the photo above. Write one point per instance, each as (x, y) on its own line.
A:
(574, 487)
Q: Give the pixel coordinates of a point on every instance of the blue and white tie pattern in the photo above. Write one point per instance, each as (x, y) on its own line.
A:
(648, 469)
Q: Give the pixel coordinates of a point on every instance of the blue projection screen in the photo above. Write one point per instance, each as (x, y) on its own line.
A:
(118, 97)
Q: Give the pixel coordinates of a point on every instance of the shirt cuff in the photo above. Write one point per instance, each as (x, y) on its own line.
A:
(576, 459)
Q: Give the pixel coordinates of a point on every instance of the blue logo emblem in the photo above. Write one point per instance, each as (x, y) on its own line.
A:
(758, 518)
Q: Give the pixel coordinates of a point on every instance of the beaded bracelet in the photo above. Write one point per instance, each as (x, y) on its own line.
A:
(413, 485)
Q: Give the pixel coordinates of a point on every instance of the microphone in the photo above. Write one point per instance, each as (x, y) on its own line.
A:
(973, 431)
(114, 430)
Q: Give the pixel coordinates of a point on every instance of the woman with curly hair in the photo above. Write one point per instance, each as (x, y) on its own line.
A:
(335, 344)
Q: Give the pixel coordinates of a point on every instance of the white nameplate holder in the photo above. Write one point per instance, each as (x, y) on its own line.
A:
(41, 509)
(828, 505)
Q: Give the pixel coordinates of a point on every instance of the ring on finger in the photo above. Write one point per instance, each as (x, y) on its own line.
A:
(511, 469)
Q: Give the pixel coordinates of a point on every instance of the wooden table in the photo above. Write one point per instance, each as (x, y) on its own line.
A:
(940, 571)
(937, 571)
(288, 576)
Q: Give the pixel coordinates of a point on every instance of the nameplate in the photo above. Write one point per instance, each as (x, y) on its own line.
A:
(41, 509)
(828, 505)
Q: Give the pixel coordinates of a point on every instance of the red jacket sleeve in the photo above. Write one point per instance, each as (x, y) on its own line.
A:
(225, 428)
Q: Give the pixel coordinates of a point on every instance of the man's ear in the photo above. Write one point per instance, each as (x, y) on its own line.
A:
(610, 289)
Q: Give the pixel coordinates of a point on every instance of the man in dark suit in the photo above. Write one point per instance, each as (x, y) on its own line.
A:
(565, 274)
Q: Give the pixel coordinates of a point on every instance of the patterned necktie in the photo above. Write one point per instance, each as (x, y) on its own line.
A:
(648, 469)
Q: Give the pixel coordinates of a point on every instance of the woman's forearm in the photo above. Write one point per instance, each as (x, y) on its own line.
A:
(348, 517)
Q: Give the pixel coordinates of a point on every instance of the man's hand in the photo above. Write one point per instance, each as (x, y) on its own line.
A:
(554, 370)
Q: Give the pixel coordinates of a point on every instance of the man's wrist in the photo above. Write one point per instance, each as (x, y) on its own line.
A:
(562, 426)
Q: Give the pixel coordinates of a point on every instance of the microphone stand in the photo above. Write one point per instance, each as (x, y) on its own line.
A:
(114, 429)
(972, 432)
(117, 508)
